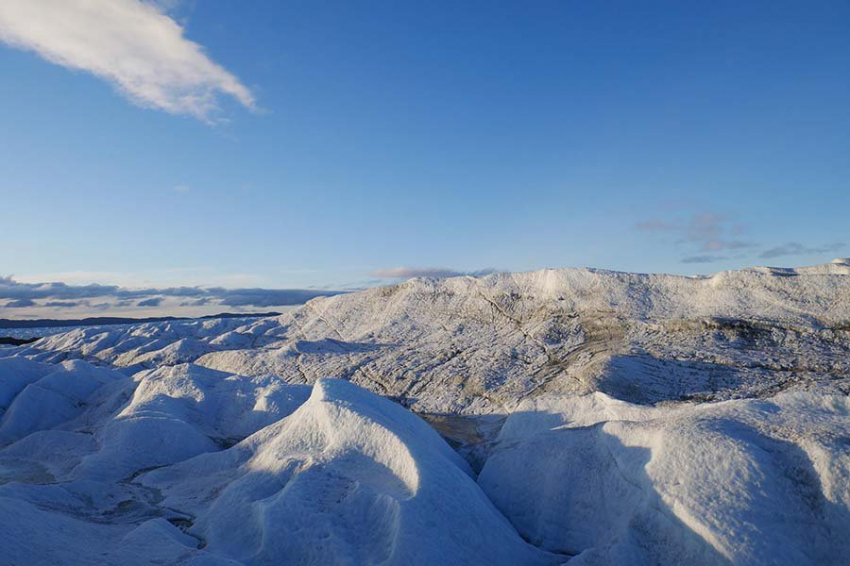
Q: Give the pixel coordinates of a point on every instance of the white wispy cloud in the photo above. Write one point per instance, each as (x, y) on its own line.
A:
(129, 43)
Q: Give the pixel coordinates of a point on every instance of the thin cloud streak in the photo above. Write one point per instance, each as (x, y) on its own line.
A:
(20, 304)
(704, 259)
(131, 44)
(795, 248)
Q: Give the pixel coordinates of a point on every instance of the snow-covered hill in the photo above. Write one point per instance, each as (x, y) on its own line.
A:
(609, 418)
(480, 345)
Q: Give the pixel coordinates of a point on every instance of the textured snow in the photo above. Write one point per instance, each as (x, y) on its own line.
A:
(189, 465)
(349, 478)
(479, 345)
(740, 482)
(593, 417)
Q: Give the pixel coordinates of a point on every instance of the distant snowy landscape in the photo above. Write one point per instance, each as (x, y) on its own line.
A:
(574, 416)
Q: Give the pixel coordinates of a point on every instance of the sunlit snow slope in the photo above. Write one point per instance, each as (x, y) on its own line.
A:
(609, 418)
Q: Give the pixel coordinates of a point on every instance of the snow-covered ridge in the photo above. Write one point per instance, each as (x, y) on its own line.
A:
(579, 396)
(480, 345)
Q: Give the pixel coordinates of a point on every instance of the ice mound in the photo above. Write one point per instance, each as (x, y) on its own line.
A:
(651, 419)
(739, 482)
(51, 397)
(15, 374)
(349, 478)
(126, 470)
(175, 413)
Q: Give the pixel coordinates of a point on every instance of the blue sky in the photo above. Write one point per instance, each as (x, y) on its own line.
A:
(327, 144)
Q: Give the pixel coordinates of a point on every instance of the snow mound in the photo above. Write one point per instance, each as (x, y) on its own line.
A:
(15, 374)
(349, 478)
(175, 413)
(648, 419)
(137, 470)
(51, 399)
(739, 482)
(144, 345)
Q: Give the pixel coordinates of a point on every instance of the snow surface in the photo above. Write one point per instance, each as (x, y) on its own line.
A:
(762, 481)
(329, 474)
(614, 418)
(479, 345)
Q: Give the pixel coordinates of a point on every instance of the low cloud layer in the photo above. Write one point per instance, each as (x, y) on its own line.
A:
(129, 43)
(20, 304)
(435, 272)
(63, 297)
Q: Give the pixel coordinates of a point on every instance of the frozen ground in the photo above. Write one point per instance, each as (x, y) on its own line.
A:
(588, 417)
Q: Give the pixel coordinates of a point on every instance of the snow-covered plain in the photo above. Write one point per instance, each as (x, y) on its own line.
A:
(587, 416)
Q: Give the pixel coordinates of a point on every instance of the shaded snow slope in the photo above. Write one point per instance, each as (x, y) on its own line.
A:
(51, 397)
(739, 482)
(478, 345)
(349, 478)
(615, 419)
(187, 465)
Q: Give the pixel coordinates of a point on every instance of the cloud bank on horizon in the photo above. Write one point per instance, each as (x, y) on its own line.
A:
(61, 300)
(129, 43)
